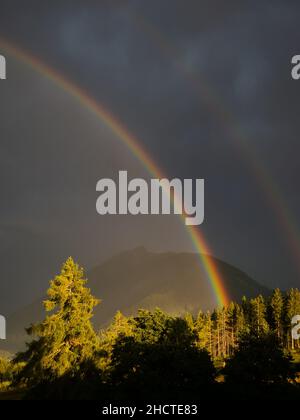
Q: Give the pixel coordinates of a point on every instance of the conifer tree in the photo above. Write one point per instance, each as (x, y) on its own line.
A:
(218, 331)
(66, 338)
(258, 322)
(241, 321)
(276, 312)
(203, 331)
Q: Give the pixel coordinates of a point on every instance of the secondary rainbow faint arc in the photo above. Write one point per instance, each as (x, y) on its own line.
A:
(198, 240)
(213, 101)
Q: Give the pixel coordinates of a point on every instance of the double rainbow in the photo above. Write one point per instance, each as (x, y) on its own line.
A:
(197, 238)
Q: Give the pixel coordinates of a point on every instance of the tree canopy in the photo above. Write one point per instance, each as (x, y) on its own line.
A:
(66, 338)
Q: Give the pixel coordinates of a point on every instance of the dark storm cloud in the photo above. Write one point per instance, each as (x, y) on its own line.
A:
(170, 70)
(53, 151)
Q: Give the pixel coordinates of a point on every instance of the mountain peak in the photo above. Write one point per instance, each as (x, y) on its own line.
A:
(139, 278)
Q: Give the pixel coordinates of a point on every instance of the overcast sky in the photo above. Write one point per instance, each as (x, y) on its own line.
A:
(206, 88)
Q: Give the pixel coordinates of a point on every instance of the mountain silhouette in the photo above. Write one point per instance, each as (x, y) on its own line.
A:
(174, 282)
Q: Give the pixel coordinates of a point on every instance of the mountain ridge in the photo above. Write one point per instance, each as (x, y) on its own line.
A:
(173, 281)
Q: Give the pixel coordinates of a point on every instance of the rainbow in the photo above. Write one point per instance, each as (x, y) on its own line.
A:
(197, 238)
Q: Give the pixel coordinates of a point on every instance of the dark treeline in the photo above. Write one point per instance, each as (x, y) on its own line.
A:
(153, 355)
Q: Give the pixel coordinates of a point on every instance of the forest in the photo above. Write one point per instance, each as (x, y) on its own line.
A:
(243, 351)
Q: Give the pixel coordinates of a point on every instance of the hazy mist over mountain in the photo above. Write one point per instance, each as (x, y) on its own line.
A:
(137, 279)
